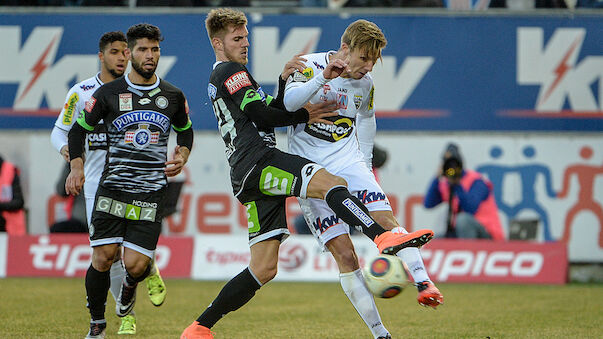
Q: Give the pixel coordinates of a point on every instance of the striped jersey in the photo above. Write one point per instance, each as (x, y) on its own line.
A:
(138, 120)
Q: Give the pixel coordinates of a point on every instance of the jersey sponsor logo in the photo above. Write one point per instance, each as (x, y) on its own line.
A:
(323, 225)
(357, 101)
(275, 181)
(342, 128)
(90, 104)
(141, 137)
(144, 101)
(308, 72)
(371, 95)
(299, 77)
(342, 101)
(261, 93)
(325, 89)
(367, 197)
(154, 92)
(319, 66)
(352, 207)
(341, 89)
(96, 140)
(237, 81)
(87, 87)
(125, 101)
(138, 210)
(136, 117)
(70, 108)
(211, 91)
(161, 102)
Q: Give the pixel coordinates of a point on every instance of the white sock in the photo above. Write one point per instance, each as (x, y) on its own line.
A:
(413, 259)
(117, 274)
(354, 287)
(152, 264)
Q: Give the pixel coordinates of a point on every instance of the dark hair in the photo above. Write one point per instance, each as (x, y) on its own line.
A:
(109, 38)
(141, 31)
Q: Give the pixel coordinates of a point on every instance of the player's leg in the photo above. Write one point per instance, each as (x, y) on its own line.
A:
(97, 286)
(333, 189)
(155, 285)
(353, 285)
(267, 229)
(429, 294)
(116, 273)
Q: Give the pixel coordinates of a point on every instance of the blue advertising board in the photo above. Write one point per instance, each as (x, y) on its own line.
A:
(438, 73)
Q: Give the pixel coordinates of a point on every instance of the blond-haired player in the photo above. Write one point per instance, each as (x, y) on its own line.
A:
(345, 149)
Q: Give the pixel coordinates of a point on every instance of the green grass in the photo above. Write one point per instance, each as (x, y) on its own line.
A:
(55, 308)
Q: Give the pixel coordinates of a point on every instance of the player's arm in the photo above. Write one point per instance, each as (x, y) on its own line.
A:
(366, 129)
(89, 117)
(297, 63)
(184, 140)
(65, 120)
(300, 89)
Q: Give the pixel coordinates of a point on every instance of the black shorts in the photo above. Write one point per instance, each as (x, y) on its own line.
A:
(275, 177)
(133, 219)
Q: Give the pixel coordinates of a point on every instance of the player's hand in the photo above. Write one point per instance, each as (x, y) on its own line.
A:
(75, 180)
(65, 152)
(318, 112)
(335, 68)
(175, 166)
(296, 63)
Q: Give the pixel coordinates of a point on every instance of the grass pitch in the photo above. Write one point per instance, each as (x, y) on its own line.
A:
(55, 308)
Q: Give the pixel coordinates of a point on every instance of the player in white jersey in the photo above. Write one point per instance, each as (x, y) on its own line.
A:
(113, 65)
(345, 149)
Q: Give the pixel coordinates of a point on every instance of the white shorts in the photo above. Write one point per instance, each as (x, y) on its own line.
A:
(362, 184)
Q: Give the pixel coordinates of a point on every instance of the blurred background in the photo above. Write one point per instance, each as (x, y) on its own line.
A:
(516, 84)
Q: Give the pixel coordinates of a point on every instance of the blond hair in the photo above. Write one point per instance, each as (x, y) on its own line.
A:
(365, 36)
(219, 19)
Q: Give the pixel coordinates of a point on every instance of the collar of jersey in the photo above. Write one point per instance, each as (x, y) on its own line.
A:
(98, 79)
(144, 88)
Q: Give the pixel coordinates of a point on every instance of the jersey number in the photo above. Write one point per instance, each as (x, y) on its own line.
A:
(225, 121)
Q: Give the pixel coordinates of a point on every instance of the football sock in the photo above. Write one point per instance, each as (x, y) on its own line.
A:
(236, 293)
(352, 211)
(117, 272)
(152, 265)
(97, 286)
(413, 259)
(354, 287)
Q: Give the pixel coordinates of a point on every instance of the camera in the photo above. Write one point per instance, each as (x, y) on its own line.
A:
(452, 168)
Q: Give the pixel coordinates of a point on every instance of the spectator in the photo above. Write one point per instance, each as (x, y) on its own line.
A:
(12, 215)
(472, 211)
(75, 209)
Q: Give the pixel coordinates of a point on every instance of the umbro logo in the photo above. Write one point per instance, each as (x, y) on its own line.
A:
(144, 101)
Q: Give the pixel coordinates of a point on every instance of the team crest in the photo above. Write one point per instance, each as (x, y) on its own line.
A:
(125, 102)
(141, 137)
(357, 101)
(211, 91)
(161, 102)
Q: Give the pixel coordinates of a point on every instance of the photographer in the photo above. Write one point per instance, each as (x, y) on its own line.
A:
(472, 211)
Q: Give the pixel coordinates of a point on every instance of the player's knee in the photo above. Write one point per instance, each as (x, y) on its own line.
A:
(102, 258)
(322, 182)
(265, 273)
(138, 268)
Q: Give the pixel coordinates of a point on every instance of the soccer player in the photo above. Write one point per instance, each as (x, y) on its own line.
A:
(112, 46)
(262, 176)
(345, 149)
(138, 110)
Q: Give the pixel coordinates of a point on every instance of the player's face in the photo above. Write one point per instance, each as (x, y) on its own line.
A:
(235, 44)
(145, 56)
(359, 64)
(113, 58)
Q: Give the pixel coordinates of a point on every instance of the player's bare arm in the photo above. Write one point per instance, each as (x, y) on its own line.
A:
(318, 112)
(175, 166)
(335, 68)
(75, 179)
(296, 63)
(65, 153)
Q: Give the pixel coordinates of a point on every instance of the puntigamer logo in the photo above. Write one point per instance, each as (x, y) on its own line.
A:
(136, 117)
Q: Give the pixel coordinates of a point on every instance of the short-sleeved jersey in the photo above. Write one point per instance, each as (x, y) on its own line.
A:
(333, 146)
(245, 142)
(96, 140)
(138, 120)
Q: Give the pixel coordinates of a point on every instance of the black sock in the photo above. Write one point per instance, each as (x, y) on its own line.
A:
(236, 293)
(131, 281)
(351, 210)
(97, 287)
